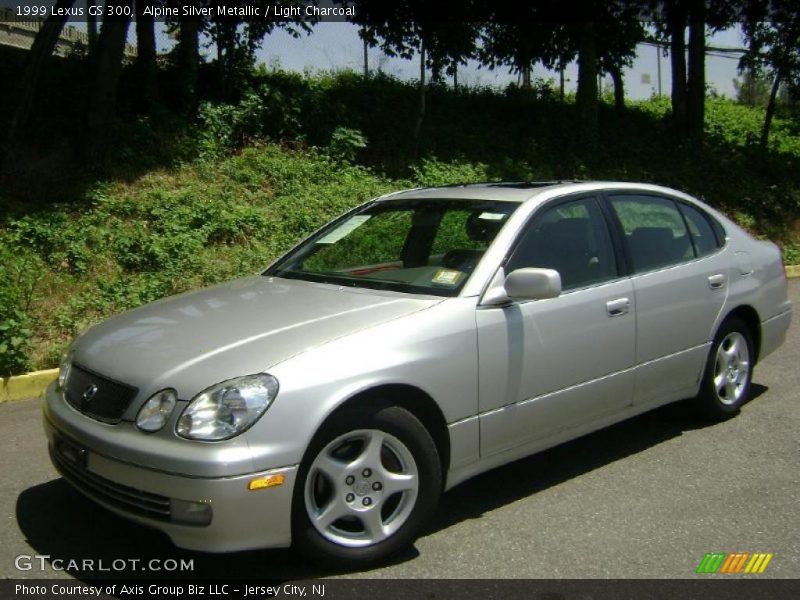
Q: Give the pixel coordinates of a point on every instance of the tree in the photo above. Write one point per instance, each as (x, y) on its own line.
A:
(773, 34)
(147, 70)
(42, 49)
(689, 83)
(188, 61)
(237, 40)
(618, 34)
(696, 76)
(409, 28)
(753, 88)
(102, 100)
(586, 95)
(677, 15)
(520, 44)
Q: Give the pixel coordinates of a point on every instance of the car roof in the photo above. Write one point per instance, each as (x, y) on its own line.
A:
(520, 191)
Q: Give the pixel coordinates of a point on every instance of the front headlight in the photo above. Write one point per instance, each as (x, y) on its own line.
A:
(154, 413)
(64, 369)
(228, 408)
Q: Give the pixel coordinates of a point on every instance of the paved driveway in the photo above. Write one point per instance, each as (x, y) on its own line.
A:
(646, 498)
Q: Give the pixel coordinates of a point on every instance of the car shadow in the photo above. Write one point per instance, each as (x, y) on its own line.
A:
(551, 467)
(61, 523)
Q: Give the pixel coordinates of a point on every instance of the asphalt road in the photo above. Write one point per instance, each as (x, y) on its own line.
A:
(647, 498)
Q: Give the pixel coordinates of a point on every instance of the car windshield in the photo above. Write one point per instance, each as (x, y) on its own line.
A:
(421, 246)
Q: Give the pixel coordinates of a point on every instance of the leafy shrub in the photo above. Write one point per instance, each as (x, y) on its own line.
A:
(432, 172)
(18, 282)
(263, 113)
(346, 143)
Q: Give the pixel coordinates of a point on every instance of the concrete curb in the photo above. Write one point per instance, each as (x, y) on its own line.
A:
(32, 384)
(29, 385)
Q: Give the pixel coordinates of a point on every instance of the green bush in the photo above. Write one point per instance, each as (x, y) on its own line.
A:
(346, 143)
(18, 282)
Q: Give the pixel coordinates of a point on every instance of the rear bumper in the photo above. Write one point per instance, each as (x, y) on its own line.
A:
(773, 332)
(240, 518)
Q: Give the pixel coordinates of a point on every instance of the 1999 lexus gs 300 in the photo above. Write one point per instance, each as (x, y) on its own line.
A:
(418, 340)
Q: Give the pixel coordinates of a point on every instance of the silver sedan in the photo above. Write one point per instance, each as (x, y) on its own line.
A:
(416, 341)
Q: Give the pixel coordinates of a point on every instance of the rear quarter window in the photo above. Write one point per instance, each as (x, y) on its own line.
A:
(703, 236)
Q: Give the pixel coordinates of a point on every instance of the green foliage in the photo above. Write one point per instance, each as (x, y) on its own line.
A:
(250, 179)
(346, 143)
(263, 113)
(18, 282)
(165, 233)
(791, 254)
(432, 172)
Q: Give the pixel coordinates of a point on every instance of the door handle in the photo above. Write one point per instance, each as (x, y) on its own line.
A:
(717, 281)
(618, 307)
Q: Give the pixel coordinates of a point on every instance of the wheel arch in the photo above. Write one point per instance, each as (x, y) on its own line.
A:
(413, 399)
(748, 314)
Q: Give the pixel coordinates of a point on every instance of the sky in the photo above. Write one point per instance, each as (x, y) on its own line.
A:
(337, 46)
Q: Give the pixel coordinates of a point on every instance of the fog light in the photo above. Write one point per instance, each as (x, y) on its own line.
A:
(191, 513)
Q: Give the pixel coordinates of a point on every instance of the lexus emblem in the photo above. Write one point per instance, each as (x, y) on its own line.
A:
(89, 393)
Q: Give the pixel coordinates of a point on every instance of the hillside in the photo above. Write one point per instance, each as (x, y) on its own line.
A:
(187, 205)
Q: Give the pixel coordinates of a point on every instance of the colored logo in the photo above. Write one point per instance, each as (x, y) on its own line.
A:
(734, 563)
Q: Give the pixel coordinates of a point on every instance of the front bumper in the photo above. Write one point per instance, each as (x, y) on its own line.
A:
(240, 518)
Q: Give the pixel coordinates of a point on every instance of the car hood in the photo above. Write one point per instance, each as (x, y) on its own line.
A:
(245, 326)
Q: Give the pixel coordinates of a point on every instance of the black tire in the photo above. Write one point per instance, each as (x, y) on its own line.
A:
(720, 402)
(403, 440)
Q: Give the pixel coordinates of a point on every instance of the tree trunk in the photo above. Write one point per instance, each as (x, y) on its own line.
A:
(421, 112)
(696, 87)
(658, 68)
(619, 89)
(561, 80)
(41, 50)
(366, 60)
(586, 95)
(102, 101)
(436, 71)
(676, 16)
(226, 54)
(188, 61)
(773, 94)
(455, 76)
(526, 75)
(146, 59)
(91, 26)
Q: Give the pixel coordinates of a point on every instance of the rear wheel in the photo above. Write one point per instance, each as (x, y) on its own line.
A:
(369, 481)
(729, 371)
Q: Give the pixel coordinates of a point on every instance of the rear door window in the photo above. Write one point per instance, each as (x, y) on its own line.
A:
(655, 231)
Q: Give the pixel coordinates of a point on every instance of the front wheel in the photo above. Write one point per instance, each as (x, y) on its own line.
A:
(369, 481)
(729, 371)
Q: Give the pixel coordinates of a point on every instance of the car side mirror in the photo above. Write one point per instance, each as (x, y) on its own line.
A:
(533, 284)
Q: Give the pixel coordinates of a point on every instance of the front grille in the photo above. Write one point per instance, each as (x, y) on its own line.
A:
(96, 396)
(114, 494)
